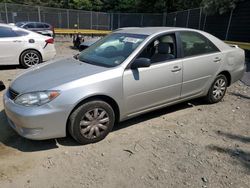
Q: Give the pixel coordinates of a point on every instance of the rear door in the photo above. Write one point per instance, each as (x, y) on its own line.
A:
(201, 60)
(11, 45)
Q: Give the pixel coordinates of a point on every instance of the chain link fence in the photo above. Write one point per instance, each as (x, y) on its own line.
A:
(77, 19)
(233, 26)
(59, 18)
(136, 20)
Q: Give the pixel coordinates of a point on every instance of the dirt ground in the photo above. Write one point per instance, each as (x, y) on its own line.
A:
(187, 145)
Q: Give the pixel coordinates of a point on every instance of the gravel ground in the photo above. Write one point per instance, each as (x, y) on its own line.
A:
(187, 145)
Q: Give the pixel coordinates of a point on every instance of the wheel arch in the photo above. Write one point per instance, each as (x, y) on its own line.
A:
(228, 76)
(104, 98)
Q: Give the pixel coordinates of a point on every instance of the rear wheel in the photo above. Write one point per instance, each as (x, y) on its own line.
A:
(91, 122)
(218, 89)
(30, 58)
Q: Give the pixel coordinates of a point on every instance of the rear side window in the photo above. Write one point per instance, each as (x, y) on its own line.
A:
(39, 25)
(46, 26)
(196, 44)
(7, 32)
(21, 33)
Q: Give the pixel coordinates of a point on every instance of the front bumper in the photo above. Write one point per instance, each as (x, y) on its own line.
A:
(36, 123)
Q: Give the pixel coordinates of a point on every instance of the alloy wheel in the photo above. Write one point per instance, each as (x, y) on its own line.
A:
(219, 88)
(31, 59)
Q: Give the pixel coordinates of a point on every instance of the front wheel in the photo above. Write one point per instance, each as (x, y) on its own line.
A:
(91, 122)
(217, 90)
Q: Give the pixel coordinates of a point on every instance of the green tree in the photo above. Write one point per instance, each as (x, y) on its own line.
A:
(219, 6)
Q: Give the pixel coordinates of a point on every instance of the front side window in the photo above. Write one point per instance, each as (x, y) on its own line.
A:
(112, 50)
(160, 49)
(195, 44)
(7, 32)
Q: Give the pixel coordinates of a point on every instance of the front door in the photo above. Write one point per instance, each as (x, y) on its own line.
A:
(149, 87)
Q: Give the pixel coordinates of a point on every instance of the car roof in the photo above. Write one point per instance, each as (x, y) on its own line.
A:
(25, 22)
(150, 30)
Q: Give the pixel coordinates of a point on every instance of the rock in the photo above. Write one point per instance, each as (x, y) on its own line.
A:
(233, 110)
(204, 179)
(237, 107)
(179, 123)
(190, 104)
(102, 154)
(236, 153)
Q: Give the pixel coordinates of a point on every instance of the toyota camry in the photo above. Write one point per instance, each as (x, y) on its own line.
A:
(127, 73)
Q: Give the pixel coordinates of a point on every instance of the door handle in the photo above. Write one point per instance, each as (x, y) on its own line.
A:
(217, 59)
(176, 69)
(17, 41)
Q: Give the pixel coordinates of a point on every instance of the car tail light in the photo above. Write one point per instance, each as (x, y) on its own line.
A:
(50, 41)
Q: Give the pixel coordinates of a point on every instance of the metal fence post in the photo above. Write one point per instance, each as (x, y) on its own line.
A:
(164, 19)
(111, 21)
(229, 23)
(200, 18)
(97, 20)
(141, 20)
(39, 13)
(59, 19)
(119, 20)
(205, 20)
(91, 20)
(68, 18)
(78, 20)
(6, 13)
(28, 16)
(188, 18)
(175, 19)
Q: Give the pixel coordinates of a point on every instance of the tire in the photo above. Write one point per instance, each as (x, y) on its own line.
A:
(91, 122)
(30, 58)
(218, 89)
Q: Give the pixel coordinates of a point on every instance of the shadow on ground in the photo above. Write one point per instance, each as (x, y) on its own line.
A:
(241, 156)
(9, 138)
(239, 95)
(10, 67)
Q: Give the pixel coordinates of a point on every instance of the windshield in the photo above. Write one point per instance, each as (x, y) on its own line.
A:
(112, 50)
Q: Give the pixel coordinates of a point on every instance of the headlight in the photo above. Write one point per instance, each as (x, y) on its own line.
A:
(36, 98)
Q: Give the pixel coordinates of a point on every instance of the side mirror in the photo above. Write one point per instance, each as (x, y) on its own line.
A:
(2, 86)
(141, 62)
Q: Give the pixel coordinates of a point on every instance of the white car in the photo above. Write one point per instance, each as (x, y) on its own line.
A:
(27, 48)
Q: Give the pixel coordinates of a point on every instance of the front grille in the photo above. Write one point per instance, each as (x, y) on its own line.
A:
(13, 94)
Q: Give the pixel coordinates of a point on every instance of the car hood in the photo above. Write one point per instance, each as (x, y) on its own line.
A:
(54, 74)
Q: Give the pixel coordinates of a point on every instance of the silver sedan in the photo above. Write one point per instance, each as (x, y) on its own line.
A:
(127, 73)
